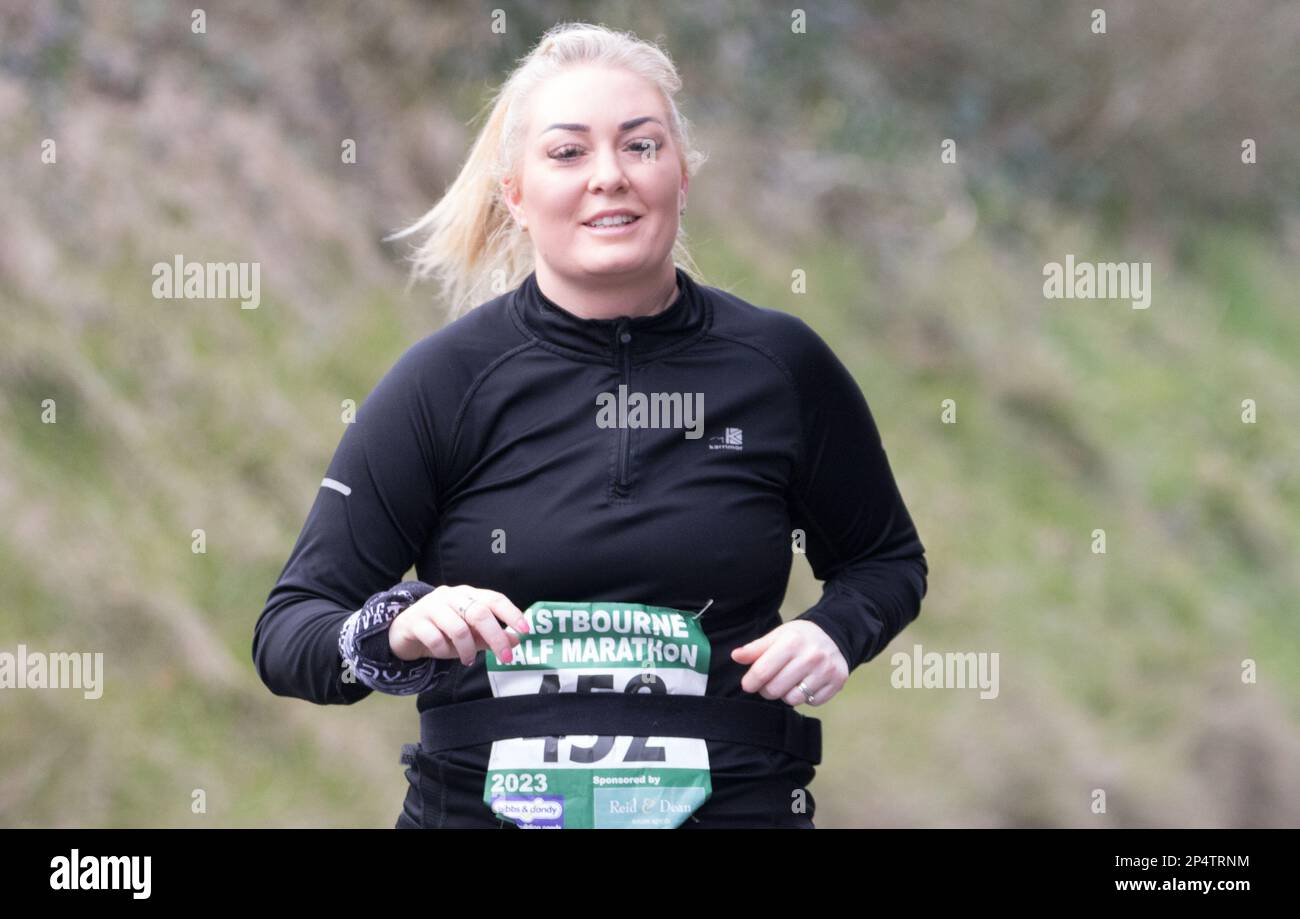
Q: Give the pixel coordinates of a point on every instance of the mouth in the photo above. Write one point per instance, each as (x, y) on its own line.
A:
(608, 226)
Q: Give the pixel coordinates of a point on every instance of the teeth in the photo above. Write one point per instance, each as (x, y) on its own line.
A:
(611, 221)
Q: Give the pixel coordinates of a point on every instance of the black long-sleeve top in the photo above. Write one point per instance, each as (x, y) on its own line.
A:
(480, 458)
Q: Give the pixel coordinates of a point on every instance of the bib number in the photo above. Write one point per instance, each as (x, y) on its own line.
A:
(584, 781)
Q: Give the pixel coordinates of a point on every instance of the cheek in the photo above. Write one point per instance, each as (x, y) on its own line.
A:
(561, 211)
(556, 202)
(667, 200)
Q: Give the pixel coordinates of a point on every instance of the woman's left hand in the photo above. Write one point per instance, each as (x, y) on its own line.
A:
(794, 651)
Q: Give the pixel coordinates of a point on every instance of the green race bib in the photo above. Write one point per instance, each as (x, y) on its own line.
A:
(584, 781)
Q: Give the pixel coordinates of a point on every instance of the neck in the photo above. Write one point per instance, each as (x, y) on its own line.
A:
(599, 299)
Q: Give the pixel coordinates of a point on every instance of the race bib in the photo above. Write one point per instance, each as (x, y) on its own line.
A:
(584, 781)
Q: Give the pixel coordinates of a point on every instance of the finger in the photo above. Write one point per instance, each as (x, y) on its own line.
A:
(768, 665)
(402, 636)
(787, 678)
(471, 598)
(433, 640)
(457, 631)
(748, 653)
(823, 684)
(785, 685)
(821, 692)
(506, 611)
(481, 616)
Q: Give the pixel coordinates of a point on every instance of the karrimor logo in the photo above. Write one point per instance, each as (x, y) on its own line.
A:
(730, 439)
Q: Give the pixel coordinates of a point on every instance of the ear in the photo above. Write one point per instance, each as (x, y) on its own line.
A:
(510, 195)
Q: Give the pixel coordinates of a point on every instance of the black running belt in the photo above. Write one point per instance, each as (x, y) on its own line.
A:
(465, 724)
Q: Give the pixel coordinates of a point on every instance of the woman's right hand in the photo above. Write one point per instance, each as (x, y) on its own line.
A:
(433, 626)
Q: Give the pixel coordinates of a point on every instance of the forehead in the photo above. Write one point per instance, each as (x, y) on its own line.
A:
(601, 97)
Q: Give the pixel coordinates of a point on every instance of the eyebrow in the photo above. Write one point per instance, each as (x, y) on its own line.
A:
(625, 126)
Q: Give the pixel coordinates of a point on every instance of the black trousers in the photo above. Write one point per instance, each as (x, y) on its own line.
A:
(445, 791)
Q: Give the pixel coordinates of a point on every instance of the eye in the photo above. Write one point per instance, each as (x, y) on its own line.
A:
(645, 145)
(641, 146)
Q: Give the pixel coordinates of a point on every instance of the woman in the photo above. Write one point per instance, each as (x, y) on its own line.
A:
(628, 455)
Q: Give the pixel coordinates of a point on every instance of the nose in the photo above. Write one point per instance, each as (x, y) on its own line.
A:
(607, 174)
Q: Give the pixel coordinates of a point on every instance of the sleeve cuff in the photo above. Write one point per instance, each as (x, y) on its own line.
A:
(363, 644)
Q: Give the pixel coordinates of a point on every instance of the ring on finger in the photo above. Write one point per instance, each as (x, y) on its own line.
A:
(803, 687)
(470, 601)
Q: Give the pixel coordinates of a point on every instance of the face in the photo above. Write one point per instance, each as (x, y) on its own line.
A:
(597, 139)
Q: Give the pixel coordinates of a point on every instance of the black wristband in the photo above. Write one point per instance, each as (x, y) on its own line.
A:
(363, 644)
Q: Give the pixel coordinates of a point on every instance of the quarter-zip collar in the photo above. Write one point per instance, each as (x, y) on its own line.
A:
(685, 319)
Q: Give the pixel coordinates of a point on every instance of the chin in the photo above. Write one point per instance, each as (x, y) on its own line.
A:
(597, 263)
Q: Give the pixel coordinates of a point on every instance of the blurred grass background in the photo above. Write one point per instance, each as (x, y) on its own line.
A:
(1118, 671)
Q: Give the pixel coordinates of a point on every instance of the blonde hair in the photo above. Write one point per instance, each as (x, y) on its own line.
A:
(473, 246)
